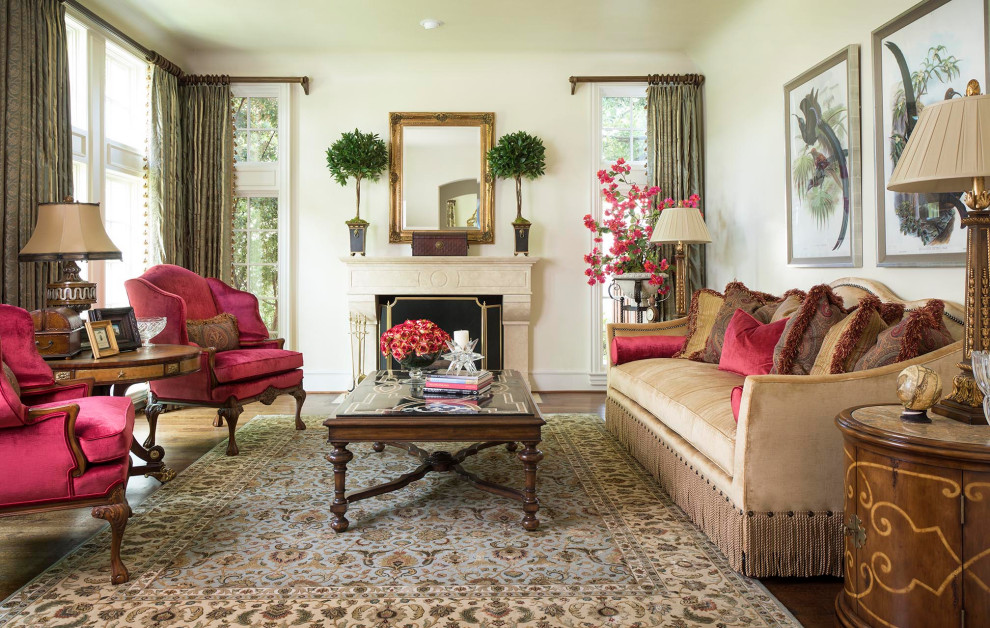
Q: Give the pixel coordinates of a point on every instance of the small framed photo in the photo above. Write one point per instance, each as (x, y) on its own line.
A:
(102, 340)
(124, 324)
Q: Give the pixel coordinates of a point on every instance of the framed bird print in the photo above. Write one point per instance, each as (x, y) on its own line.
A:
(921, 57)
(824, 171)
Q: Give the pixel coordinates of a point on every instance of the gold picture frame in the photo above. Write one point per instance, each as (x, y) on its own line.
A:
(102, 340)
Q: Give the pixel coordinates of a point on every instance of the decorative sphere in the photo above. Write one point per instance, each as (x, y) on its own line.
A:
(918, 387)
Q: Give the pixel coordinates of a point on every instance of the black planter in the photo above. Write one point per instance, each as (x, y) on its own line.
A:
(358, 232)
(522, 238)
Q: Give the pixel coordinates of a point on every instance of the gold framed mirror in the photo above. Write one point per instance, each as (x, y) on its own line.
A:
(438, 175)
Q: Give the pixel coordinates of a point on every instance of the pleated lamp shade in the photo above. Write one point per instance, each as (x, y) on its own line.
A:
(69, 231)
(681, 224)
(950, 145)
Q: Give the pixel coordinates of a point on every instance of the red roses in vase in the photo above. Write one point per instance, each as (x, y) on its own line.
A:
(414, 344)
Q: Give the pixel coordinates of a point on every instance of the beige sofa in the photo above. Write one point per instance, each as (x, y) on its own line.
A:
(768, 490)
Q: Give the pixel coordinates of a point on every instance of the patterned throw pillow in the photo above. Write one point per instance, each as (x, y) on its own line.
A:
(11, 379)
(705, 304)
(219, 332)
(737, 297)
(847, 342)
(782, 307)
(805, 332)
(921, 331)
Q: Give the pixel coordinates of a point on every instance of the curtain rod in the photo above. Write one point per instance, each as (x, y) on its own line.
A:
(169, 66)
(686, 79)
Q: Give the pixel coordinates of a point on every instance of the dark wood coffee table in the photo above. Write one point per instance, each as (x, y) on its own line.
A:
(386, 409)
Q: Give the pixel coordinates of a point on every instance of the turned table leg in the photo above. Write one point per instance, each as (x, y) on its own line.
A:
(339, 457)
(378, 447)
(530, 457)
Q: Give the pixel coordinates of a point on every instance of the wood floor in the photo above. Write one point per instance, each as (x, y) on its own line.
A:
(29, 544)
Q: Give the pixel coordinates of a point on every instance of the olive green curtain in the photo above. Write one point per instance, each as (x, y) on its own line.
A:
(35, 135)
(207, 177)
(164, 168)
(675, 161)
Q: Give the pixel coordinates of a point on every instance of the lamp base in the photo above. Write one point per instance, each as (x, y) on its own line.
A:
(71, 292)
(964, 403)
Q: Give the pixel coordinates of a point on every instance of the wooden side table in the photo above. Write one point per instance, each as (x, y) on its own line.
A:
(113, 374)
(917, 521)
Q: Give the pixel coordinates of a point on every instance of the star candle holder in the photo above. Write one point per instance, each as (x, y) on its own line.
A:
(462, 358)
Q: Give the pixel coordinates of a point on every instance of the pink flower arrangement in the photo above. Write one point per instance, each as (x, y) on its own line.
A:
(419, 337)
(629, 218)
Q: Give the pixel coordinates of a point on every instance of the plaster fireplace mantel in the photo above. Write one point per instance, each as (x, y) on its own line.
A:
(510, 277)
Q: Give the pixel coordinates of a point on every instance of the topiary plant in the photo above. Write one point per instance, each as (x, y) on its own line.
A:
(358, 155)
(518, 155)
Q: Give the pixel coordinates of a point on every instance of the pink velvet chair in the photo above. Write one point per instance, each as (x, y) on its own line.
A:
(59, 447)
(260, 370)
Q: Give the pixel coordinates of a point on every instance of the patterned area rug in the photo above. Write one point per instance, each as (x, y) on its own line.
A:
(245, 541)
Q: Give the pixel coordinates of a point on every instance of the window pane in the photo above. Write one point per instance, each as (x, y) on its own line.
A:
(125, 112)
(80, 181)
(639, 148)
(241, 146)
(638, 107)
(124, 220)
(263, 281)
(269, 313)
(263, 248)
(240, 253)
(264, 213)
(76, 36)
(240, 112)
(240, 212)
(264, 113)
(263, 146)
(239, 278)
(615, 146)
(615, 112)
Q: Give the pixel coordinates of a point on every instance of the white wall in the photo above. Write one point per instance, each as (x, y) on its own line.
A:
(527, 92)
(746, 64)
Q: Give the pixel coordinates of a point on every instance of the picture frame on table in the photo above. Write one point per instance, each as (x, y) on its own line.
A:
(824, 164)
(940, 45)
(102, 340)
(124, 324)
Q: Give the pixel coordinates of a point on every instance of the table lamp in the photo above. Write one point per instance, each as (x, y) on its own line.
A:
(949, 151)
(67, 232)
(680, 225)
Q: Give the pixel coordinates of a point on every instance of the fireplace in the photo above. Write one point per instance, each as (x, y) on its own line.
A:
(481, 316)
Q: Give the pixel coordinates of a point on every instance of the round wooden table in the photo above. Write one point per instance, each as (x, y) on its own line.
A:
(113, 374)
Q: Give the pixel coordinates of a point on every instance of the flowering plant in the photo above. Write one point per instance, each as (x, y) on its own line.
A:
(630, 219)
(419, 337)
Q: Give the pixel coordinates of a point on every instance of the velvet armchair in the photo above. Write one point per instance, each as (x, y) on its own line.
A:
(59, 447)
(260, 370)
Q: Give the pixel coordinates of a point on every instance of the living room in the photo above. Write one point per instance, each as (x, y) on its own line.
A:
(771, 424)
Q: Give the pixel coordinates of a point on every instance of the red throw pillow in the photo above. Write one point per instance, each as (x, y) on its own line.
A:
(749, 344)
(735, 397)
(631, 348)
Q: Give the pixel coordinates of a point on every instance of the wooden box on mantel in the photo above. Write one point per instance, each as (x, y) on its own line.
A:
(58, 332)
(439, 243)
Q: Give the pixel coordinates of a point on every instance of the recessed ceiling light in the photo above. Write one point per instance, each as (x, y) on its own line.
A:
(430, 23)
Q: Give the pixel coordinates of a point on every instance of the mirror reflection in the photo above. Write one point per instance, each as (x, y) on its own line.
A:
(441, 178)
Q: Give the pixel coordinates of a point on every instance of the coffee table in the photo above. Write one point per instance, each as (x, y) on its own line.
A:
(386, 408)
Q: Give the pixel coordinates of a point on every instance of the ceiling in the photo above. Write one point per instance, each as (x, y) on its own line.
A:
(393, 25)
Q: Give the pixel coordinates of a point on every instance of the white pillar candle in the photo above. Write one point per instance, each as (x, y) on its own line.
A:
(461, 338)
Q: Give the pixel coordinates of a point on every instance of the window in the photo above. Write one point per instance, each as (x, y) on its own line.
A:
(619, 131)
(259, 260)
(108, 104)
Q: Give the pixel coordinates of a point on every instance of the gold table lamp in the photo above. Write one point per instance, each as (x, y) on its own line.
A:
(67, 232)
(949, 151)
(681, 225)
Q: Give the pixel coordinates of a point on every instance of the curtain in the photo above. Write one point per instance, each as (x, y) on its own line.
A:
(35, 136)
(164, 168)
(675, 162)
(207, 177)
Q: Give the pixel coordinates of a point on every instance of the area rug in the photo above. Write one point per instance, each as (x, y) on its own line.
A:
(246, 541)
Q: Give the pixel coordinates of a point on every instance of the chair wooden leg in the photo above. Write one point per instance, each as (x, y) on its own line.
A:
(152, 409)
(116, 513)
(218, 420)
(300, 397)
(230, 413)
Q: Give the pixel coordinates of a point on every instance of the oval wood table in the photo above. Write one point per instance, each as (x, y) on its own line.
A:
(113, 374)
(917, 521)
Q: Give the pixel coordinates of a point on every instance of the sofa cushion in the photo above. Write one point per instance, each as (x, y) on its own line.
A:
(104, 426)
(219, 332)
(736, 398)
(782, 308)
(846, 342)
(705, 305)
(749, 345)
(921, 331)
(737, 297)
(243, 364)
(624, 349)
(798, 348)
(690, 398)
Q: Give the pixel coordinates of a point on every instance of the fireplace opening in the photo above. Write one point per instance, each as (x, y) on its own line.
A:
(481, 316)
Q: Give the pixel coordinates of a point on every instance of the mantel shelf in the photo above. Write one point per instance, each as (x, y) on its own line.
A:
(431, 260)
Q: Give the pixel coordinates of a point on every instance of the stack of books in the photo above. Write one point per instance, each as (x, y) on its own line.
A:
(464, 385)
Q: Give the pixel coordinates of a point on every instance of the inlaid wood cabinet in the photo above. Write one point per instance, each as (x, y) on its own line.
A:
(917, 521)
